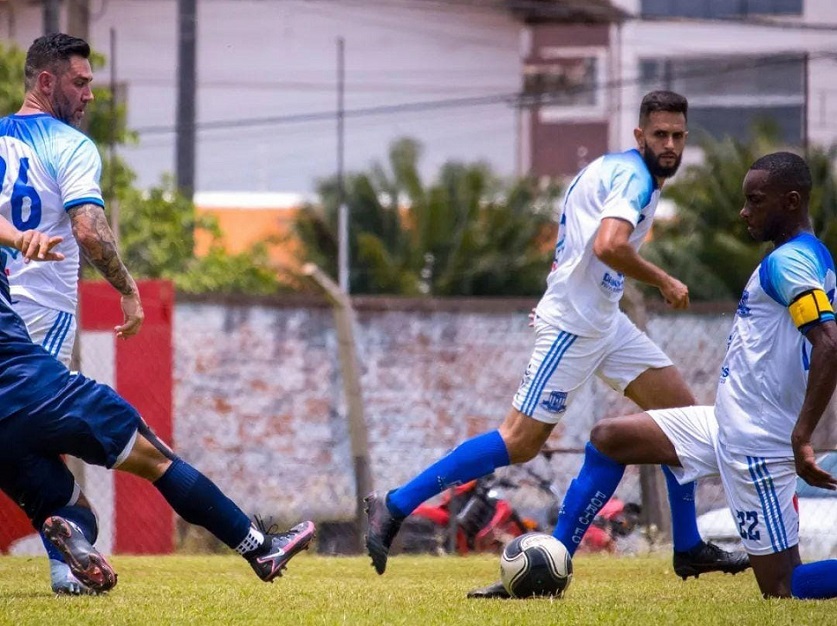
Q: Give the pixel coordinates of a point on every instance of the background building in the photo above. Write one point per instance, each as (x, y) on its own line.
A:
(539, 87)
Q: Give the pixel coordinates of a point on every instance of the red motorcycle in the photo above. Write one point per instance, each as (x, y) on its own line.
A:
(469, 518)
(474, 518)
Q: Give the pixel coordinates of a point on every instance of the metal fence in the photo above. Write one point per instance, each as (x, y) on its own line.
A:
(258, 407)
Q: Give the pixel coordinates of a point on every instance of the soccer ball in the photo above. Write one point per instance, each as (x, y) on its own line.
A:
(536, 564)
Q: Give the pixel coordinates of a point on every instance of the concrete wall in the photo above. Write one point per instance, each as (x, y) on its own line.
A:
(258, 400)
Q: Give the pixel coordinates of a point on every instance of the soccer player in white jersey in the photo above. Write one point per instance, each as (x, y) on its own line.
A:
(777, 377)
(49, 180)
(580, 332)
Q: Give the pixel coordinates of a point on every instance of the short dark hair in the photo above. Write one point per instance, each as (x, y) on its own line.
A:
(786, 170)
(662, 101)
(50, 52)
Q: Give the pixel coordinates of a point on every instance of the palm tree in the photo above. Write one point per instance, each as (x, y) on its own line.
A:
(464, 235)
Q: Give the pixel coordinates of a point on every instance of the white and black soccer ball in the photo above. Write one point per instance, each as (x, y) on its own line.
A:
(536, 564)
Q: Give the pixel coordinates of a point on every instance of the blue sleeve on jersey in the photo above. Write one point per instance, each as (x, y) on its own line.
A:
(78, 201)
(629, 184)
(800, 265)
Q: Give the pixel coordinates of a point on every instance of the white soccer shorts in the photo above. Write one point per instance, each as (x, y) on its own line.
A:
(760, 491)
(562, 362)
(55, 330)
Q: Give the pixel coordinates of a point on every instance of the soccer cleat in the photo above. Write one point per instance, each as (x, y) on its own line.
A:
(85, 562)
(381, 528)
(707, 557)
(279, 548)
(64, 583)
(492, 591)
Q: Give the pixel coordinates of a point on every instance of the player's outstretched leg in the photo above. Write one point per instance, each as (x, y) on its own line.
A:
(381, 528)
(471, 459)
(199, 501)
(84, 561)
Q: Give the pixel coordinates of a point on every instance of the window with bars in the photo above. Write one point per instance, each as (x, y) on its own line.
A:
(729, 95)
(715, 9)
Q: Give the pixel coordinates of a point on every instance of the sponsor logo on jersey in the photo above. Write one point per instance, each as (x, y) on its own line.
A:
(613, 282)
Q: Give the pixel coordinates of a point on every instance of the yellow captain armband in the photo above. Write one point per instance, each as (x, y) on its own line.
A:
(811, 306)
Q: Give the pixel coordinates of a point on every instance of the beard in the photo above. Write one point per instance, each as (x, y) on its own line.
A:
(652, 161)
(63, 109)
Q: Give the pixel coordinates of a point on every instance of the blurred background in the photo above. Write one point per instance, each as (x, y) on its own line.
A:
(415, 151)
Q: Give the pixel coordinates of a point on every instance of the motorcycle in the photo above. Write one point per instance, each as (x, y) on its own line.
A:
(474, 517)
(471, 517)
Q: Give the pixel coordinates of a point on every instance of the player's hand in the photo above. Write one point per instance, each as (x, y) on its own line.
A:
(807, 468)
(133, 314)
(532, 316)
(676, 294)
(38, 246)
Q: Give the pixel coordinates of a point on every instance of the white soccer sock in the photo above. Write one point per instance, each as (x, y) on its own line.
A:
(253, 540)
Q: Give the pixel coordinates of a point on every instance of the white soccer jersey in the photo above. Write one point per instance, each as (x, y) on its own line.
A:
(582, 294)
(46, 168)
(765, 371)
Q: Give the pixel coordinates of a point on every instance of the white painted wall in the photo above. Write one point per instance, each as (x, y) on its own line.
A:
(689, 39)
(269, 58)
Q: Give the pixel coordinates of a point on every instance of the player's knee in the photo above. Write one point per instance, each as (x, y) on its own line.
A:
(604, 436)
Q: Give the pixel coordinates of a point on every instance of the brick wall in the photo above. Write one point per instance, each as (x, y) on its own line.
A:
(258, 399)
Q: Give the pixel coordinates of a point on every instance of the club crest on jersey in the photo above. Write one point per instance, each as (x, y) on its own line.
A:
(743, 310)
(556, 402)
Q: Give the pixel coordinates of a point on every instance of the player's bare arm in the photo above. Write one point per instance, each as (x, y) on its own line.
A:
(611, 246)
(822, 380)
(97, 243)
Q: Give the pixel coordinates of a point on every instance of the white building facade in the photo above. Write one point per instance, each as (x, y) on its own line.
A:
(448, 74)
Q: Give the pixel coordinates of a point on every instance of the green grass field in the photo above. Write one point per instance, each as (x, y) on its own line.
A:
(415, 590)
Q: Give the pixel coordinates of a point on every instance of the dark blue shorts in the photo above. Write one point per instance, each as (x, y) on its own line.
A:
(83, 418)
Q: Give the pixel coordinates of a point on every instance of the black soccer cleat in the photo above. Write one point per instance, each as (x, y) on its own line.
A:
(86, 563)
(381, 528)
(707, 557)
(492, 591)
(279, 548)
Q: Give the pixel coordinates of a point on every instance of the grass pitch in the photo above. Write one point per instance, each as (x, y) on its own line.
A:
(197, 590)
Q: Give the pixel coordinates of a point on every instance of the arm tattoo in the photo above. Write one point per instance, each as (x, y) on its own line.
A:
(97, 243)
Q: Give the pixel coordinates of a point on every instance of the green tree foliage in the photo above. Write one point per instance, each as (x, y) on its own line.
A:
(707, 245)
(463, 235)
(157, 226)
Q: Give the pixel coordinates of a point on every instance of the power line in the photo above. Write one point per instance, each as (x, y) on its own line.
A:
(508, 99)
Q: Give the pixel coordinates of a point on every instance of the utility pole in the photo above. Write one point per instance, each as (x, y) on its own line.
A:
(52, 16)
(113, 201)
(343, 210)
(78, 18)
(186, 96)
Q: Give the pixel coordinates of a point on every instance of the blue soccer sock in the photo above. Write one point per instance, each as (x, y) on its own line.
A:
(81, 516)
(681, 500)
(84, 518)
(471, 459)
(815, 581)
(199, 501)
(588, 493)
(52, 552)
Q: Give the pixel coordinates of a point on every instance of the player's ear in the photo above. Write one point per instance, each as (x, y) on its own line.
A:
(46, 82)
(640, 139)
(793, 200)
